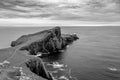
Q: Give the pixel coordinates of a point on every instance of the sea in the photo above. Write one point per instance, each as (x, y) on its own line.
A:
(95, 56)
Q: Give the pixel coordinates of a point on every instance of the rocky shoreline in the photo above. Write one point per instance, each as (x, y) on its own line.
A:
(22, 61)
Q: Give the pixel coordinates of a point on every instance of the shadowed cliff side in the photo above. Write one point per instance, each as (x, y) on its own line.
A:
(47, 41)
(37, 67)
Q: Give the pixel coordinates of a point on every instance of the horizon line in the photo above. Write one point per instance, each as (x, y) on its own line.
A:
(14, 22)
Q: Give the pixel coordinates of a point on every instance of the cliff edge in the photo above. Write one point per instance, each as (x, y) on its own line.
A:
(47, 41)
(19, 62)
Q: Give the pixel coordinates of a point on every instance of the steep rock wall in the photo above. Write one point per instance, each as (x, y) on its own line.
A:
(47, 41)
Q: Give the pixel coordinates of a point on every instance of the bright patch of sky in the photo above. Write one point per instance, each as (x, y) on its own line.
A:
(100, 11)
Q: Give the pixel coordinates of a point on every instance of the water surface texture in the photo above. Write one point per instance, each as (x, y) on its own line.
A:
(95, 56)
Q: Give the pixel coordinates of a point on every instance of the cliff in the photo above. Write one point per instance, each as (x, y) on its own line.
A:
(20, 62)
(47, 41)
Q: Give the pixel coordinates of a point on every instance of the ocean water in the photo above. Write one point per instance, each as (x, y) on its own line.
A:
(95, 56)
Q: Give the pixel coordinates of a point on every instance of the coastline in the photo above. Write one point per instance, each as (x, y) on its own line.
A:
(18, 54)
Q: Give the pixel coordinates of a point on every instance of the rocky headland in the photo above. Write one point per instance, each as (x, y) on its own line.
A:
(22, 60)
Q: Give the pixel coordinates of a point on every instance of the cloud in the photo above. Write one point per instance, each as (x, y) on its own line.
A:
(78, 10)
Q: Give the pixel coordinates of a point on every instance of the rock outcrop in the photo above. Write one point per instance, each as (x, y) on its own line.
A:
(23, 53)
(37, 67)
(19, 73)
(25, 69)
(47, 41)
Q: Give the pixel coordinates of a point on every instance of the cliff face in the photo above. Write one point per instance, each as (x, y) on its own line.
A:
(37, 67)
(47, 41)
(33, 68)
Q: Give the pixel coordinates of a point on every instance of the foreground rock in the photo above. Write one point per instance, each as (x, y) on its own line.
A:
(37, 67)
(20, 62)
(32, 68)
(47, 41)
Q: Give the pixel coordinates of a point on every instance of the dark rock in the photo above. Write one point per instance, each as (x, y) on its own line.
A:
(37, 36)
(68, 39)
(47, 41)
(37, 67)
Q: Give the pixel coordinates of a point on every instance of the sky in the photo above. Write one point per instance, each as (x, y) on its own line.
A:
(59, 12)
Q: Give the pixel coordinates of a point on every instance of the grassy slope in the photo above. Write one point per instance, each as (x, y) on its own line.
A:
(17, 58)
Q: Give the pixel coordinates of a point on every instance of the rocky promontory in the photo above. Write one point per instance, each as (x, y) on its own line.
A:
(47, 41)
(19, 62)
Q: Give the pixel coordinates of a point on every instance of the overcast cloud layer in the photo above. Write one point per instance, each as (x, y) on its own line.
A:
(77, 10)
